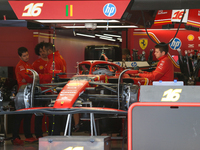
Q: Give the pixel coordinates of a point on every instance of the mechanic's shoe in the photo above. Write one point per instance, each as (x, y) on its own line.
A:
(17, 141)
(77, 127)
(31, 140)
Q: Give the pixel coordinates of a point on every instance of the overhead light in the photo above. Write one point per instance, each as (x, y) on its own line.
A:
(112, 35)
(117, 27)
(120, 39)
(104, 37)
(90, 26)
(191, 28)
(85, 35)
(109, 39)
(76, 21)
(99, 35)
(158, 29)
(74, 27)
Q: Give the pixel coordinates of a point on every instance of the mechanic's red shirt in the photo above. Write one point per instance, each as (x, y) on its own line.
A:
(60, 64)
(39, 65)
(22, 73)
(164, 70)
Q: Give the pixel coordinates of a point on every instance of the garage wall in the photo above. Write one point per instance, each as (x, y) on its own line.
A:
(71, 48)
(189, 40)
(11, 38)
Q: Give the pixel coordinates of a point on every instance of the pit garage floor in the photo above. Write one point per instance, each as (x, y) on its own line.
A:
(116, 144)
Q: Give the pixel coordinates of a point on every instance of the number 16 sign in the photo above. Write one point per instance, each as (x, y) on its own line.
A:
(177, 15)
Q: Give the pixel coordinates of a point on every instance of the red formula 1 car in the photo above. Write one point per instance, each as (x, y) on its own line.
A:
(102, 83)
(99, 87)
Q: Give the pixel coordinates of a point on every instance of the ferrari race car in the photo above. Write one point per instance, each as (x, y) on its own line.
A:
(103, 83)
(99, 88)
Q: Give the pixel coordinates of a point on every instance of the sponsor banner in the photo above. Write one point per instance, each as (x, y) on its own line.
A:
(185, 40)
(132, 63)
(163, 17)
(178, 14)
(194, 18)
(34, 10)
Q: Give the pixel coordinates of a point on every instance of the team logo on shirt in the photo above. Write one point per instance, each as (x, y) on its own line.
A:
(143, 42)
(21, 68)
(41, 67)
(161, 65)
(61, 57)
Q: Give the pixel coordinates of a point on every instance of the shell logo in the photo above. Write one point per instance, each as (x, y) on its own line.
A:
(190, 37)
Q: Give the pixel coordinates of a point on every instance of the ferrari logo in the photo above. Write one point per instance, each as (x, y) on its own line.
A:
(143, 43)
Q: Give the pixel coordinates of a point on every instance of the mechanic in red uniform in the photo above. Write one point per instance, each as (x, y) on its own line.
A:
(41, 62)
(165, 69)
(58, 66)
(39, 66)
(23, 77)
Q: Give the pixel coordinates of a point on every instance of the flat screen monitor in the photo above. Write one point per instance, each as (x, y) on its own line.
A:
(164, 127)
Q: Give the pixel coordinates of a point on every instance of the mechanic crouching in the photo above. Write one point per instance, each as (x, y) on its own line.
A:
(165, 69)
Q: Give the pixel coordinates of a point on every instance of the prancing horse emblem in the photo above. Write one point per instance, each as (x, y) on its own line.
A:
(143, 43)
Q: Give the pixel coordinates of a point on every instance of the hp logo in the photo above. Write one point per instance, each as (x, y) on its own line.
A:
(109, 10)
(175, 44)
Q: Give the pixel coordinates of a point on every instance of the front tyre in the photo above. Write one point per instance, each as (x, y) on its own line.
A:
(129, 95)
